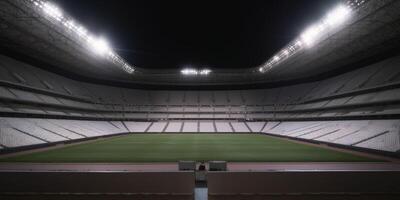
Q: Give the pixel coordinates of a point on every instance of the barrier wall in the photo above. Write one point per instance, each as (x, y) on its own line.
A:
(304, 183)
(180, 184)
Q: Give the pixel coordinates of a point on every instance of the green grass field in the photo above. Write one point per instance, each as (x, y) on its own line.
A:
(199, 147)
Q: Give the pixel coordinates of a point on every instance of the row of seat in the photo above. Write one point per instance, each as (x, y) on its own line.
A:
(12, 71)
(374, 103)
(370, 111)
(372, 134)
(38, 93)
(16, 132)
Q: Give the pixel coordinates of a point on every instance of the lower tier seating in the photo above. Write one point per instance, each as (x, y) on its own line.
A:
(382, 135)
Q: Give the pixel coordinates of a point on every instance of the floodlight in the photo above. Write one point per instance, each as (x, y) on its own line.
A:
(314, 33)
(192, 72)
(298, 43)
(338, 15)
(311, 34)
(285, 52)
(52, 10)
(189, 71)
(82, 31)
(205, 72)
(128, 68)
(99, 45)
(334, 18)
(70, 24)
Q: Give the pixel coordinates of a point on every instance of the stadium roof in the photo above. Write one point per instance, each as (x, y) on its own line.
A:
(369, 33)
(172, 34)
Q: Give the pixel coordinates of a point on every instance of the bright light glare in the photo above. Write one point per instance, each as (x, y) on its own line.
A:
(128, 68)
(82, 31)
(311, 34)
(99, 45)
(191, 71)
(338, 15)
(205, 72)
(286, 52)
(70, 24)
(52, 10)
(334, 18)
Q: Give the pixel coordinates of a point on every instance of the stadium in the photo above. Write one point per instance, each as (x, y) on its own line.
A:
(199, 100)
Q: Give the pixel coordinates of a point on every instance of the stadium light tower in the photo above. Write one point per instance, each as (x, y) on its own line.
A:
(336, 17)
(99, 46)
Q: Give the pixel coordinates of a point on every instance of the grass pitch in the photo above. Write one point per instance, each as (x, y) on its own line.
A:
(199, 147)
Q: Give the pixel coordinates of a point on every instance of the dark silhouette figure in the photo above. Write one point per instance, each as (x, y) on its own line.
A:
(202, 167)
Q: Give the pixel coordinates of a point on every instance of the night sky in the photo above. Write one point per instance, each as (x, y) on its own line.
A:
(217, 34)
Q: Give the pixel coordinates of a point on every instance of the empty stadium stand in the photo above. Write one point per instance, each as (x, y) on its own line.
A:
(39, 107)
(372, 134)
(83, 118)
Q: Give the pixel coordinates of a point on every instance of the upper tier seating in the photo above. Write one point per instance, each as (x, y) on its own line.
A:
(369, 91)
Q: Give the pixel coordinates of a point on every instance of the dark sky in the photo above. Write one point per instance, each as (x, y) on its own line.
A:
(218, 34)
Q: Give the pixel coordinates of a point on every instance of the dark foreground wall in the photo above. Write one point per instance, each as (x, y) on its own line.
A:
(155, 185)
(304, 185)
